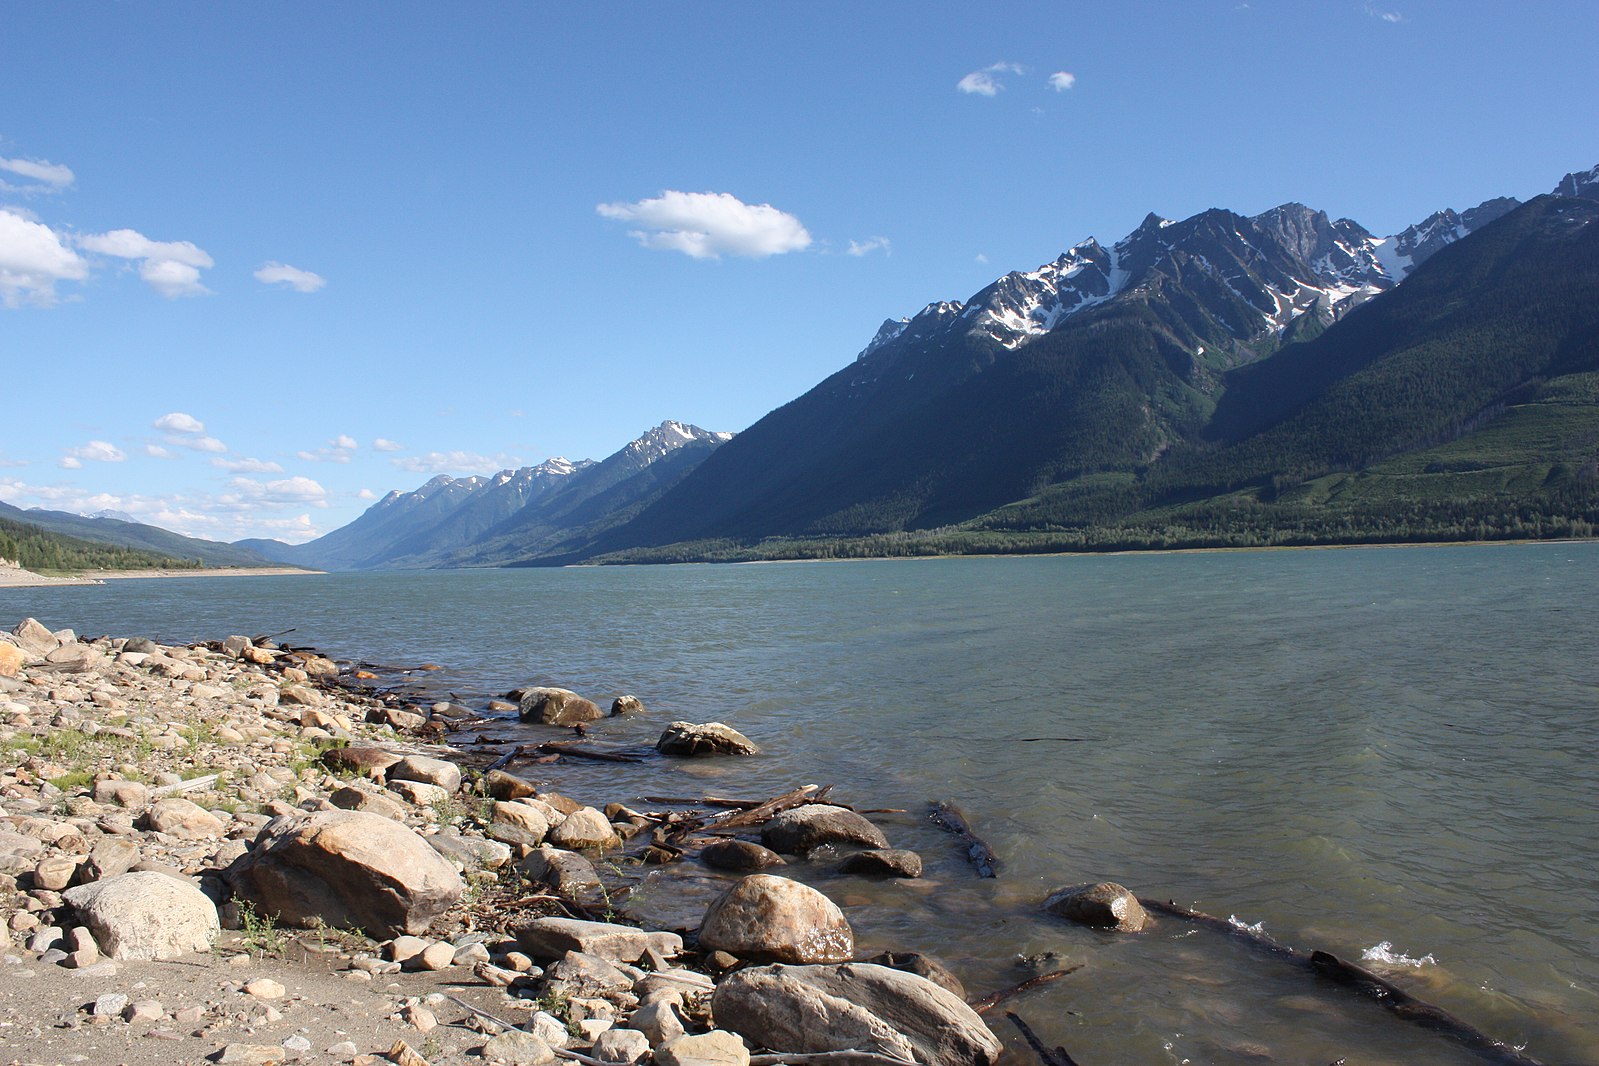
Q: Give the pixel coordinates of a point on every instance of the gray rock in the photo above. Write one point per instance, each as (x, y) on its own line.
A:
(470, 852)
(659, 1021)
(1105, 905)
(883, 862)
(773, 919)
(109, 857)
(621, 1047)
(922, 966)
(584, 828)
(710, 738)
(556, 706)
(181, 818)
(582, 975)
(446, 775)
(803, 829)
(141, 646)
(517, 1048)
(742, 856)
(627, 705)
(715, 1048)
(567, 872)
(552, 938)
(350, 798)
(109, 1005)
(146, 916)
(34, 638)
(835, 1008)
(346, 868)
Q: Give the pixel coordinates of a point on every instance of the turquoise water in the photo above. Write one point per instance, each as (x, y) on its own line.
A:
(1351, 747)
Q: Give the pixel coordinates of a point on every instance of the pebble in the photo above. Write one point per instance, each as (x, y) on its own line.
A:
(265, 988)
(109, 1005)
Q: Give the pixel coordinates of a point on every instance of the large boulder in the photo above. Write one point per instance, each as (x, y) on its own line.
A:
(445, 775)
(181, 818)
(809, 1009)
(1105, 904)
(584, 829)
(772, 919)
(346, 869)
(804, 829)
(360, 759)
(556, 706)
(146, 916)
(710, 738)
(34, 638)
(12, 659)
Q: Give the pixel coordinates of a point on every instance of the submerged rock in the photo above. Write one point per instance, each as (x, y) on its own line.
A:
(883, 862)
(742, 856)
(711, 738)
(556, 706)
(1104, 905)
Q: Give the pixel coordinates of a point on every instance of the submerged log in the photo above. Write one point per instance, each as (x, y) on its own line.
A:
(559, 747)
(989, 1002)
(1361, 980)
(951, 819)
(1046, 1055)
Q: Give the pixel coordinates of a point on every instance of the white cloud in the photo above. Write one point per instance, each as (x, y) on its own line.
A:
(259, 510)
(247, 466)
(178, 422)
(282, 274)
(200, 444)
(984, 83)
(71, 463)
(32, 259)
(383, 445)
(171, 268)
(1387, 16)
(99, 451)
(345, 441)
(981, 258)
(155, 451)
(708, 225)
(297, 490)
(52, 175)
(456, 463)
(1061, 80)
(337, 451)
(870, 245)
(366, 494)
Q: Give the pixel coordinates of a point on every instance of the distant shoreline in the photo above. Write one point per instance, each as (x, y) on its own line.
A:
(15, 577)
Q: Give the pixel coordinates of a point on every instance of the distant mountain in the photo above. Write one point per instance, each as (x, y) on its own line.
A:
(33, 547)
(476, 521)
(1112, 375)
(136, 535)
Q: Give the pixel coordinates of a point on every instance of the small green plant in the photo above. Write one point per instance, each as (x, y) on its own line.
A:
(260, 934)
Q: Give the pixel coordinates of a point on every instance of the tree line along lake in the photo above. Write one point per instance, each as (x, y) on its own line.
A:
(1379, 752)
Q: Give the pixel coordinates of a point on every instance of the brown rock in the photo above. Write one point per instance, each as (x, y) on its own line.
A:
(359, 759)
(711, 738)
(12, 659)
(181, 818)
(556, 706)
(742, 856)
(773, 919)
(1105, 905)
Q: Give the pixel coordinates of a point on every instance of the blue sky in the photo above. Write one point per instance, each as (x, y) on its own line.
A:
(262, 263)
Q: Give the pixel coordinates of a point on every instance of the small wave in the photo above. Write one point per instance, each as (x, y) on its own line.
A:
(1258, 929)
(1385, 954)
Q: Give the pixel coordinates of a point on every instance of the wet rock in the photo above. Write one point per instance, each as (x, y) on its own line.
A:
(803, 829)
(503, 786)
(883, 862)
(1103, 905)
(552, 938)
(556, 706)
(922, 966)
(741, 856)
(446, 775)
(627, 705)
(568, 873)
(346, 868)
(773, 919)
(146, 916)
(710, 738)
(856, 1005)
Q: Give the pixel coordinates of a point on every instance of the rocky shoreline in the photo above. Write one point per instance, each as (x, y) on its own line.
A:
(238, 852)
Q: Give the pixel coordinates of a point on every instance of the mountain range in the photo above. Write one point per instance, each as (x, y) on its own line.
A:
(1223, 379)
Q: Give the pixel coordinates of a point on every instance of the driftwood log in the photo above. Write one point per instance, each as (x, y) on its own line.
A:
(951, 819)
(1046, 1055)
(989, 1002)
(1361, 980)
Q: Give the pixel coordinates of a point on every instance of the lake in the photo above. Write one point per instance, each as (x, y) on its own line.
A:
(1382, 751)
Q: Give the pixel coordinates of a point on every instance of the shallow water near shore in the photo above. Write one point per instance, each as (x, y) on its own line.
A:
(1355, 748)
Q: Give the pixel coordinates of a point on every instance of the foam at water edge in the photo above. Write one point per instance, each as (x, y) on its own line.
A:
(1259, 928)
(1385, 954)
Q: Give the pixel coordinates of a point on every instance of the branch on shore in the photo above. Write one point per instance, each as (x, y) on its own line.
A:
(951, 819)
(989, 1002)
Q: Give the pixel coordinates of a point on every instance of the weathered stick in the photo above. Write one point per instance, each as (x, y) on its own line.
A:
(1048, 1056)
(798, 797)
(485, 1015)
(949, 818)
(504, 760)
(993, 1000)
(190, 785)
(558, 747)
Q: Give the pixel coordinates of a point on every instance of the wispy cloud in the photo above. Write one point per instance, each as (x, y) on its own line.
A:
(1062, 80)
(338, 450)
(33, 258)
(870, 245)
(382, 444)
(250, 510)
(179, 422)
(1384, 14)
(185, 431)
(708, 225)
(282, 274)
(247, 466)
(985, 82)
(171, 268)
(98, 451)
(456, 463)
(42, 175)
